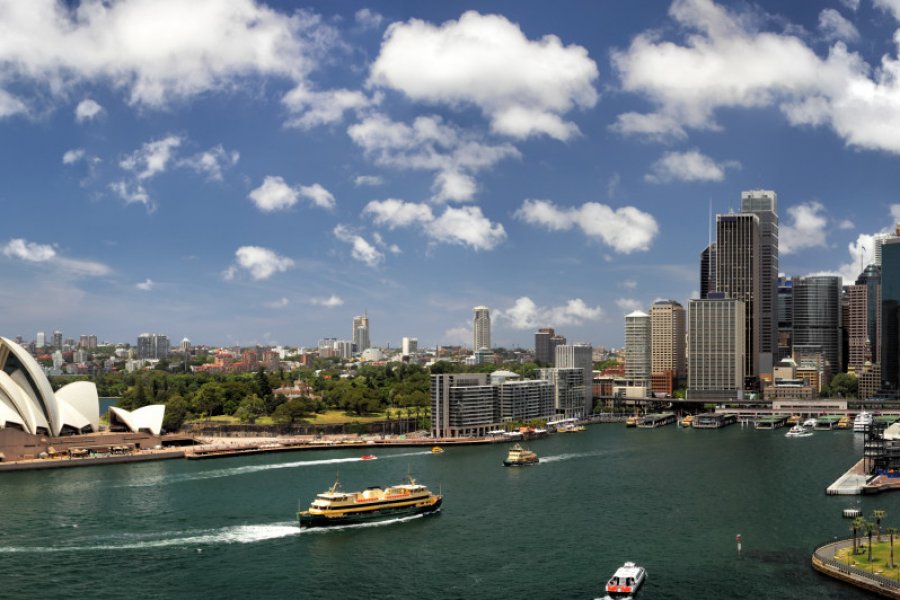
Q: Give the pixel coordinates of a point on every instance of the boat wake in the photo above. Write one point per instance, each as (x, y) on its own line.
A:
(231, 472)
(239, 534)
(562, 457)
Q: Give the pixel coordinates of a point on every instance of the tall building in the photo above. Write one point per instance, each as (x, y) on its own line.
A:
(579, 356)
(871, 278)
(737, 276)
(409, 346)
(881, 238)
(637, 349)
(890, 316)
(545, 342)
(708, 270)
(361, 332)
(40, 340)
(152, 346)
(343, 348)
(784, 311)
(57, 340)
(87, 342)
(668, 370)
(817, 316)
(716, 346)
(764, 204)
(568, 386)
(481, 328)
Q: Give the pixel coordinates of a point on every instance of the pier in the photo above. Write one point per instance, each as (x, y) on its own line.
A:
(773, 422)
(713, 421)
(656, 420)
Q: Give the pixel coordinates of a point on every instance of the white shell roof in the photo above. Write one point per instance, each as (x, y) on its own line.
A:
(146, 417)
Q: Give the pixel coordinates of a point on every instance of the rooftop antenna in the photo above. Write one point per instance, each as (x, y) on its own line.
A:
(861, 255)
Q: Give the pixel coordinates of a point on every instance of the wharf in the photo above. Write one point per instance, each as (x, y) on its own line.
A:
(200, 453)
(827, 422)
(773, 422)
(656, 420)
(850, 483)
(89, 461)
(713, 421)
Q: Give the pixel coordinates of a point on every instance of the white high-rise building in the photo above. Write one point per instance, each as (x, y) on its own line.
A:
(343, 348)
(40, 340)
(410, 346)
(637, 349)
(579, 356)
(481, 328)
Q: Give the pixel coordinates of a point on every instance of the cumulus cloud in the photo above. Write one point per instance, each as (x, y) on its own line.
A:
(331, 301)
(362, 250)
(625, 230)
(525, 314)
(33, 252)
(629, 305)
(889, 6)
(212, 162)
(834, 26)
(465, 226)
(687, 166)
(260, 263)
(429, 144)
(805, 228)
(725, 61)
(132, 193)
(277, 304)
(275, 194)
(851, 4)
(11, 105)
(152, 157)
(312, 108)
(146, 285)
(524, 87)
(73, 156)
(87, 110)
(373, 180)
(158, 52)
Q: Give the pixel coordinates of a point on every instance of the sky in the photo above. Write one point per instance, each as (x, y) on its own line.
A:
(260, 172)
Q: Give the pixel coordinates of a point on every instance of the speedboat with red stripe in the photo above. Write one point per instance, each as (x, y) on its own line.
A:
(626, 581)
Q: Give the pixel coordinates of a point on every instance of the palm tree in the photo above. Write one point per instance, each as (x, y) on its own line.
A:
(870, 529)
(891, 532)
(878, 516)
(855, 526)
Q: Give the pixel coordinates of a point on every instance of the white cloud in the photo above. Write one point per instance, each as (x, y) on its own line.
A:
(152, 158)
(368, 19)
(11, 105)
(850, 4)
(625, 229)
(725, 61)
(805, 229)
(132, 193)
(332, 301)
(629, 305)
(311, 108)
(835, 27)
(629, 284)
(465, 226)
(87, 109)
(275, 194)
(33, 252)
(461, 336)
(845, 224)
(687, 166)
(146, 285)
(525, 314)
(362, 250)
(260, 263)
(212, 162)
(277, 304)
(73, 156)
(522, 86)
(430, 145)
(361, 180)
(890, 6)
(654, 126)
(158, 52)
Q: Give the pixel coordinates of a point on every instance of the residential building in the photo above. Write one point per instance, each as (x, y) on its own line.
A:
(668, 369)
(481, 328)
(579, 356)
(410, 346)
(716, 346)
(343, 349)
(361, 332)
(57, 340)
(568, 391)
(40, 340)
(152, 346)
(638, 359)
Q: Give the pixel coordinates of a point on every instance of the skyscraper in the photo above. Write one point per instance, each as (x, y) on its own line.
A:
(57, 340)
(784, 310)
(637, 349)
(708, 270)
(409, 346)
(890, 315)
(545, 342)
(764, 204)
(579, 356)
(481, 328)
(716, 345)
(361, 332)
(152, 346)
(40, 340)
(667, 351)
(817, 316)
(737, 276)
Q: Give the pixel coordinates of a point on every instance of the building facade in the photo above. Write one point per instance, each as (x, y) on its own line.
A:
(545, 342)
(481, 328)
(579, 356)
(152, 346)
(817, 316)
(764, 204)
(638, 349)
(568, 391)
(716, 346)
(360, 336)
(668, 368)
(708, 270)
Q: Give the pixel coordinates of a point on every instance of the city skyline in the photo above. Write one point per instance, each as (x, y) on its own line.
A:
(270, 195)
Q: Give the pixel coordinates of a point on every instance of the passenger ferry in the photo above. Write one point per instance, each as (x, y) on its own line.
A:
(625, 581)
(631, 421)
(520, 457)
(862, 422)
(687, 421)
(337, 507)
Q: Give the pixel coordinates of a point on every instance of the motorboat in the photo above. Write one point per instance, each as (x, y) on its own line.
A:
(368, 457)
(811, 422)
(863, 422)
(798, 431)
(626, 581)
(437, 450)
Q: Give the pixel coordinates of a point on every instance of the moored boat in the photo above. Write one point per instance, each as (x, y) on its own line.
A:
(631, 421)
(862, 422)
(811, 422)
(625, 581)
(798, 431)
(687, 421)
(337, 507)
(520, 457)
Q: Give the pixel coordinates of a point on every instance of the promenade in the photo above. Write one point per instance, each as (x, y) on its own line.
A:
(823, 561)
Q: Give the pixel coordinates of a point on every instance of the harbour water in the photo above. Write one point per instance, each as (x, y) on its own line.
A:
(669, 499)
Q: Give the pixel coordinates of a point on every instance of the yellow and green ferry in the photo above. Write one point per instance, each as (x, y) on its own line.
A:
(337, 507)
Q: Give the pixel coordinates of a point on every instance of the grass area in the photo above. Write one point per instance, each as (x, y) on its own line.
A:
(330, 417)
(881, 557)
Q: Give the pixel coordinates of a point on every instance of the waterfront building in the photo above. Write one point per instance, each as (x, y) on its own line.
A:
(579, 356)
(409, 346)
(522, 400)
(716, 346)
(817, 316)
(890, 316)
(764, 204)
(638, 350)
(152, 346)
(667, 346)
(545, 342)
(481, 328)
(738, 277)
(708, 270)
(361, 332)
(785, 317)
(568, 391)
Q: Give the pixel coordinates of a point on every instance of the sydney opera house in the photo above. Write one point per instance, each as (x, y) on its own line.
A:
(34, 419)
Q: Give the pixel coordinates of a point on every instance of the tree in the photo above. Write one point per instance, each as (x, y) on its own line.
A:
(878, 515)
(251, 408)
(176, 412)
(264, 389)
(293, 410)
(210, 398)
(855, 526)
(844, 385)
(892, 531)
(870, 529)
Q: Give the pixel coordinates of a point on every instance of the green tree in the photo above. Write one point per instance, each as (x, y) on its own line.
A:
(857, 524)
(210, 399)
(251, 408)
(878, 515)
(293, 410)
(844, 385)
(177, 409)
(892, 531)
(870, 529)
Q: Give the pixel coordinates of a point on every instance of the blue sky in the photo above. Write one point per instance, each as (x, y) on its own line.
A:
(240, 172)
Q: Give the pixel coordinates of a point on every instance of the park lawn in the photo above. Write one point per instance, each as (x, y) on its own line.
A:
(881, 556)
(330, 417)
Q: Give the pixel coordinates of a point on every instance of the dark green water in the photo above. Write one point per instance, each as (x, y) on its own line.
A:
(670, 499)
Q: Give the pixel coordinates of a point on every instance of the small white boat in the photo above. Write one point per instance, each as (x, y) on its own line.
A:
(863, 422)
(811, 423)
(798, 431)
(626, 581)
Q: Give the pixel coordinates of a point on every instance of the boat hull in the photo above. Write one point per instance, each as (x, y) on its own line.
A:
(307, 519)
(520, 463)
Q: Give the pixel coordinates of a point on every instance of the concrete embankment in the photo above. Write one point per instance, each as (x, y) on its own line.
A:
(824, 562)
(65, 463)
(223, 451)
